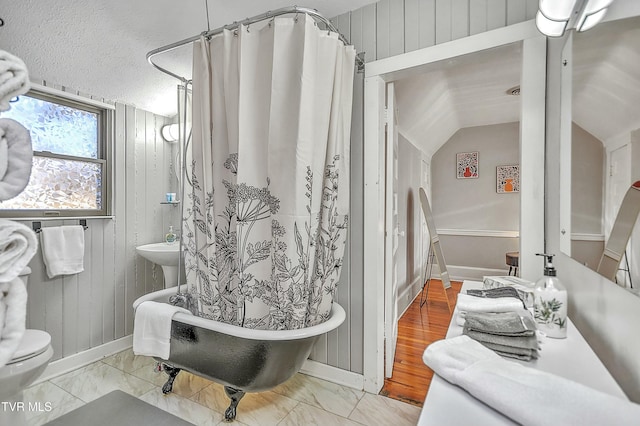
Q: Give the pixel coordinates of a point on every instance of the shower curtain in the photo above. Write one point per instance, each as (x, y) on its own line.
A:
(266, 215)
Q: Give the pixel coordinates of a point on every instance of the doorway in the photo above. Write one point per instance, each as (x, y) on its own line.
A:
(378, 74)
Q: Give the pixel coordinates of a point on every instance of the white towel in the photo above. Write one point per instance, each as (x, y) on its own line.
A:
(15, 165)
(484, 304)
(526, 395)
(63, 249)
(18, 244)
(14, 79)
(13, 315)
(467, 303)
(152, 328)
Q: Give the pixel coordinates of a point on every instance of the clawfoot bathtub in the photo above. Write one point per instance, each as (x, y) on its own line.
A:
(241, 359)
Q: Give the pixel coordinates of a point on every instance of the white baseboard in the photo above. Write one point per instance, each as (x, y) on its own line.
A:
(461, 273)
(83, 358)
(409, 294)
(333, 374)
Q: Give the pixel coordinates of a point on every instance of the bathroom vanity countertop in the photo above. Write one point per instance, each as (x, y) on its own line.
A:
(572, 358)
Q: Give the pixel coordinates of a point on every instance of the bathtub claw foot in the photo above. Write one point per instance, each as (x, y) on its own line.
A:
(235, 395)
(172, 372)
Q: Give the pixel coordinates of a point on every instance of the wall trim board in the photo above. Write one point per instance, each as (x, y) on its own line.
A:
(333, 374)
(461, 273)
(479, 233)
(71, 96)
(411, 292)
(81, 359)
(576, 236)
(400, 66)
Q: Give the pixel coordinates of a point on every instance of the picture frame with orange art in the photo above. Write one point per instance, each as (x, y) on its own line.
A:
(507, 179)
(467, 165)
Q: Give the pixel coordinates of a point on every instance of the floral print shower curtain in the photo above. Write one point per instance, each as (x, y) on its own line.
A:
(266, 212)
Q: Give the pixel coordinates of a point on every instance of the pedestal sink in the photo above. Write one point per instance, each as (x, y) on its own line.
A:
(165, 255)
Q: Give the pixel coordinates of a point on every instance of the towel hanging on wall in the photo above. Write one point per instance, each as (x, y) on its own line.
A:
(63, 249)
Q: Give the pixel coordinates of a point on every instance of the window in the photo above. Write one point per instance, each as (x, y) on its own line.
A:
(70, 174)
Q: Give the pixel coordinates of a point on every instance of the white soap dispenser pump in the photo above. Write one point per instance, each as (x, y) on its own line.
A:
(550, 303)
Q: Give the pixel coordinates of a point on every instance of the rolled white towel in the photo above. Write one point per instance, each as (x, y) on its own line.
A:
(526, 395)
(14, 79)
(18, 244)
(13, 314)
(15, 140)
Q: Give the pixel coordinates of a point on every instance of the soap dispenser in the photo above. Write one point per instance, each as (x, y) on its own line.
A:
(550, 302)
(170, 238)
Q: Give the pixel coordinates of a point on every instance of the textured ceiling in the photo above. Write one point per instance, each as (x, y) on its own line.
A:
(100, 47)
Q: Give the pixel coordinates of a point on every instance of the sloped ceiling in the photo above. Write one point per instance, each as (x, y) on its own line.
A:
(99, 47)
(470, 90)
(606, 79)
(467, 91)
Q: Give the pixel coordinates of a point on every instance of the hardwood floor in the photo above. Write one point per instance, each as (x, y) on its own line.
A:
(418, 328)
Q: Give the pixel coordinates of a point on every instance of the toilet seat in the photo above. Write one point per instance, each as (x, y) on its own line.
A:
(34, 342)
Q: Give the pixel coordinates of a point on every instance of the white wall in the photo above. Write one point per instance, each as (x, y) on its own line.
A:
(468, 212)
(94, 307)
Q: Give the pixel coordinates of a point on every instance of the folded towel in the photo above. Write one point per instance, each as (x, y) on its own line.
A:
(479, 304)
(524, 342)
(526, 395)
(524, 348)
(15, 166)
(18, 244)
(13, 315)
(63, 249)
(494, 293)
(501, 323)
(14, 79)
(152, 328)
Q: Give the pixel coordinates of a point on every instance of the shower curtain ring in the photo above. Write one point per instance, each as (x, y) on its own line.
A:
(295, 18)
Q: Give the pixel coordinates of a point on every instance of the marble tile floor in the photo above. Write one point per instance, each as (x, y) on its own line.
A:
(303, 400)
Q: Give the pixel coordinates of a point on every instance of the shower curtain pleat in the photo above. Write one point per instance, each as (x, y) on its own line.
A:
(266, 218)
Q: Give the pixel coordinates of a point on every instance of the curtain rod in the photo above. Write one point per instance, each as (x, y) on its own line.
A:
(268, 15)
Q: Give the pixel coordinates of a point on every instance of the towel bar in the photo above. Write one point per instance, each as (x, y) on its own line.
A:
(37, 226)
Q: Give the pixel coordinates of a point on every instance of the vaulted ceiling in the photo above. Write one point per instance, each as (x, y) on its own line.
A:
(606, 79)
(466, 91)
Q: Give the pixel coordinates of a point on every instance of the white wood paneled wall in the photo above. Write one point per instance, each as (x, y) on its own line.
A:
(385, 29)
(95, 307)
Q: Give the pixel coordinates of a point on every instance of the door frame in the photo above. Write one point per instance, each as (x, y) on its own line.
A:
(532, 138)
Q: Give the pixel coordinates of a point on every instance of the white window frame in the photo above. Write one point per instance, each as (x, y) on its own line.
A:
(104, 154)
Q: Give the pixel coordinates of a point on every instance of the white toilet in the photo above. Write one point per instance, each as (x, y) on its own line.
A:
(28, 363)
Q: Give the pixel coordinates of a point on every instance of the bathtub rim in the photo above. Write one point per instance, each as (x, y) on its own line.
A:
(337, 317)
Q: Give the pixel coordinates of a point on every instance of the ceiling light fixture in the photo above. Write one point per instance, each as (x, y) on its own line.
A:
(554, 17)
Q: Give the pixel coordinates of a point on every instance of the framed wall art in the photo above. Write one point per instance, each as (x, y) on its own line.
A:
(467, 165)
(507, 179)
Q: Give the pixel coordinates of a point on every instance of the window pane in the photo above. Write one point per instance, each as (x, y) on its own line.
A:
(58, 184)
(57, 128)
